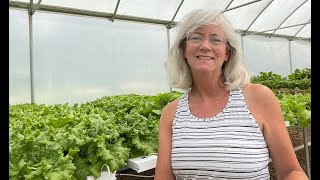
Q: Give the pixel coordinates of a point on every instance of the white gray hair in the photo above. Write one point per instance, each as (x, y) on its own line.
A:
(234, 71)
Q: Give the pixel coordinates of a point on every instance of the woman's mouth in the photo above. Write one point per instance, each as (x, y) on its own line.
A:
(204, 57)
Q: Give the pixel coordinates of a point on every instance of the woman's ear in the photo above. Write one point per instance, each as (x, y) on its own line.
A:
(227, 56)
(228, 52)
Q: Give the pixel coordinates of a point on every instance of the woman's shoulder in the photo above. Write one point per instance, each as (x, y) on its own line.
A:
(171, 106)
(169, 111)
(261, 101)
(258, 91)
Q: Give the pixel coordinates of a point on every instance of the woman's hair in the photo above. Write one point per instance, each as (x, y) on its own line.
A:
(234, 71)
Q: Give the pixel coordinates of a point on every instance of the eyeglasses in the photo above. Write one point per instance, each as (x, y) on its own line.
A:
(196, 39)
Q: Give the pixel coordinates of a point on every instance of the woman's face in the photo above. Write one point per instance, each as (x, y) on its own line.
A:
(206, 49)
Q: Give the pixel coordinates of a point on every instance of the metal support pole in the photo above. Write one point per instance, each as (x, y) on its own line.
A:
(242, 46)
(168, 40)
(115, 11)
(290, 59)
(306, 152)
(30, 11)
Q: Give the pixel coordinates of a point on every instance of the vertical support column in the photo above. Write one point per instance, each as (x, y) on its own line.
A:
(242, 44)
(168, 40)
(304, 130)
(31, 51)
(290, 60)
(306, 151)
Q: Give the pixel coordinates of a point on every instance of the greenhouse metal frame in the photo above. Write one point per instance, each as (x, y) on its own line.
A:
(169, 24)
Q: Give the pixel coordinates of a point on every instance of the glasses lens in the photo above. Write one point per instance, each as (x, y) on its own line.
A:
(216, 40)
(196, 39)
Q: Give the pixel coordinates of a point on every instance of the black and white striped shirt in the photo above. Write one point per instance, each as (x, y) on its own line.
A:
(229, 145)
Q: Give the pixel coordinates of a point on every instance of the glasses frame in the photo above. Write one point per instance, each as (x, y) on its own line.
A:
(225, 40)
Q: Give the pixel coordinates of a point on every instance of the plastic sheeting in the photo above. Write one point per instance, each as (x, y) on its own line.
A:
(275, 17)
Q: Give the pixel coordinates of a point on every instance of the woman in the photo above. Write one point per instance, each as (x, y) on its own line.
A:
(223, 127)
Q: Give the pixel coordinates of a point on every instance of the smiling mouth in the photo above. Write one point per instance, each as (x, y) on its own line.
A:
(204, 57)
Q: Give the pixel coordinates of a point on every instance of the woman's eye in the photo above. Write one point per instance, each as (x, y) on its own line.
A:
(216, 40)
(195, 38)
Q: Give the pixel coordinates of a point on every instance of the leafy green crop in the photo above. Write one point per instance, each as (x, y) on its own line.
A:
(72, 142)
(298, 79)
(296, 108)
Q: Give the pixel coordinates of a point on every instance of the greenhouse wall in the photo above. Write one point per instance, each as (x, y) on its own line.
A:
(78, 59)
(19, 64)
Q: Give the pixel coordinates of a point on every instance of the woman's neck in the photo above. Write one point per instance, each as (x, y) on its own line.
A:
(205, 90)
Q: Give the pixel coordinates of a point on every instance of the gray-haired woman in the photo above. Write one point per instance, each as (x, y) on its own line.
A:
(223, 126)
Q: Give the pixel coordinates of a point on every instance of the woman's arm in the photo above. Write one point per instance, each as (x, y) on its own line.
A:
(163, 167)
(275, 133)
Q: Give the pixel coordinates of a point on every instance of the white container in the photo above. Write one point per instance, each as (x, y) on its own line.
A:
(105, 175)
(287, 123)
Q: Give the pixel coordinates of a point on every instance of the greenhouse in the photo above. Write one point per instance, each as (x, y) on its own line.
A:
(88, 77)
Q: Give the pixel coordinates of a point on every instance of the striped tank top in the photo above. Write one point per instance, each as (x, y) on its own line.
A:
(229, 145)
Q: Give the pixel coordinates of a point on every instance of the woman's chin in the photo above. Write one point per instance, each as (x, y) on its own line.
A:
(204, 68)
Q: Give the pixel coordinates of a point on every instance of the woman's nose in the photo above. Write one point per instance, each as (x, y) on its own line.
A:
(205, 44)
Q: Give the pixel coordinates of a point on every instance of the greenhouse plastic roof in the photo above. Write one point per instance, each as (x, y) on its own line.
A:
(290, 19)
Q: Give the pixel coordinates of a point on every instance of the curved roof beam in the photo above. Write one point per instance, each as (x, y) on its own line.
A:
(287, 26)
(169, 26)
(276, 35)
(288, 17)
(245, 4)
(88, 13)
(300, 29)
(257, 17)
(32, 11)
(115, 11)
(228, 5)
